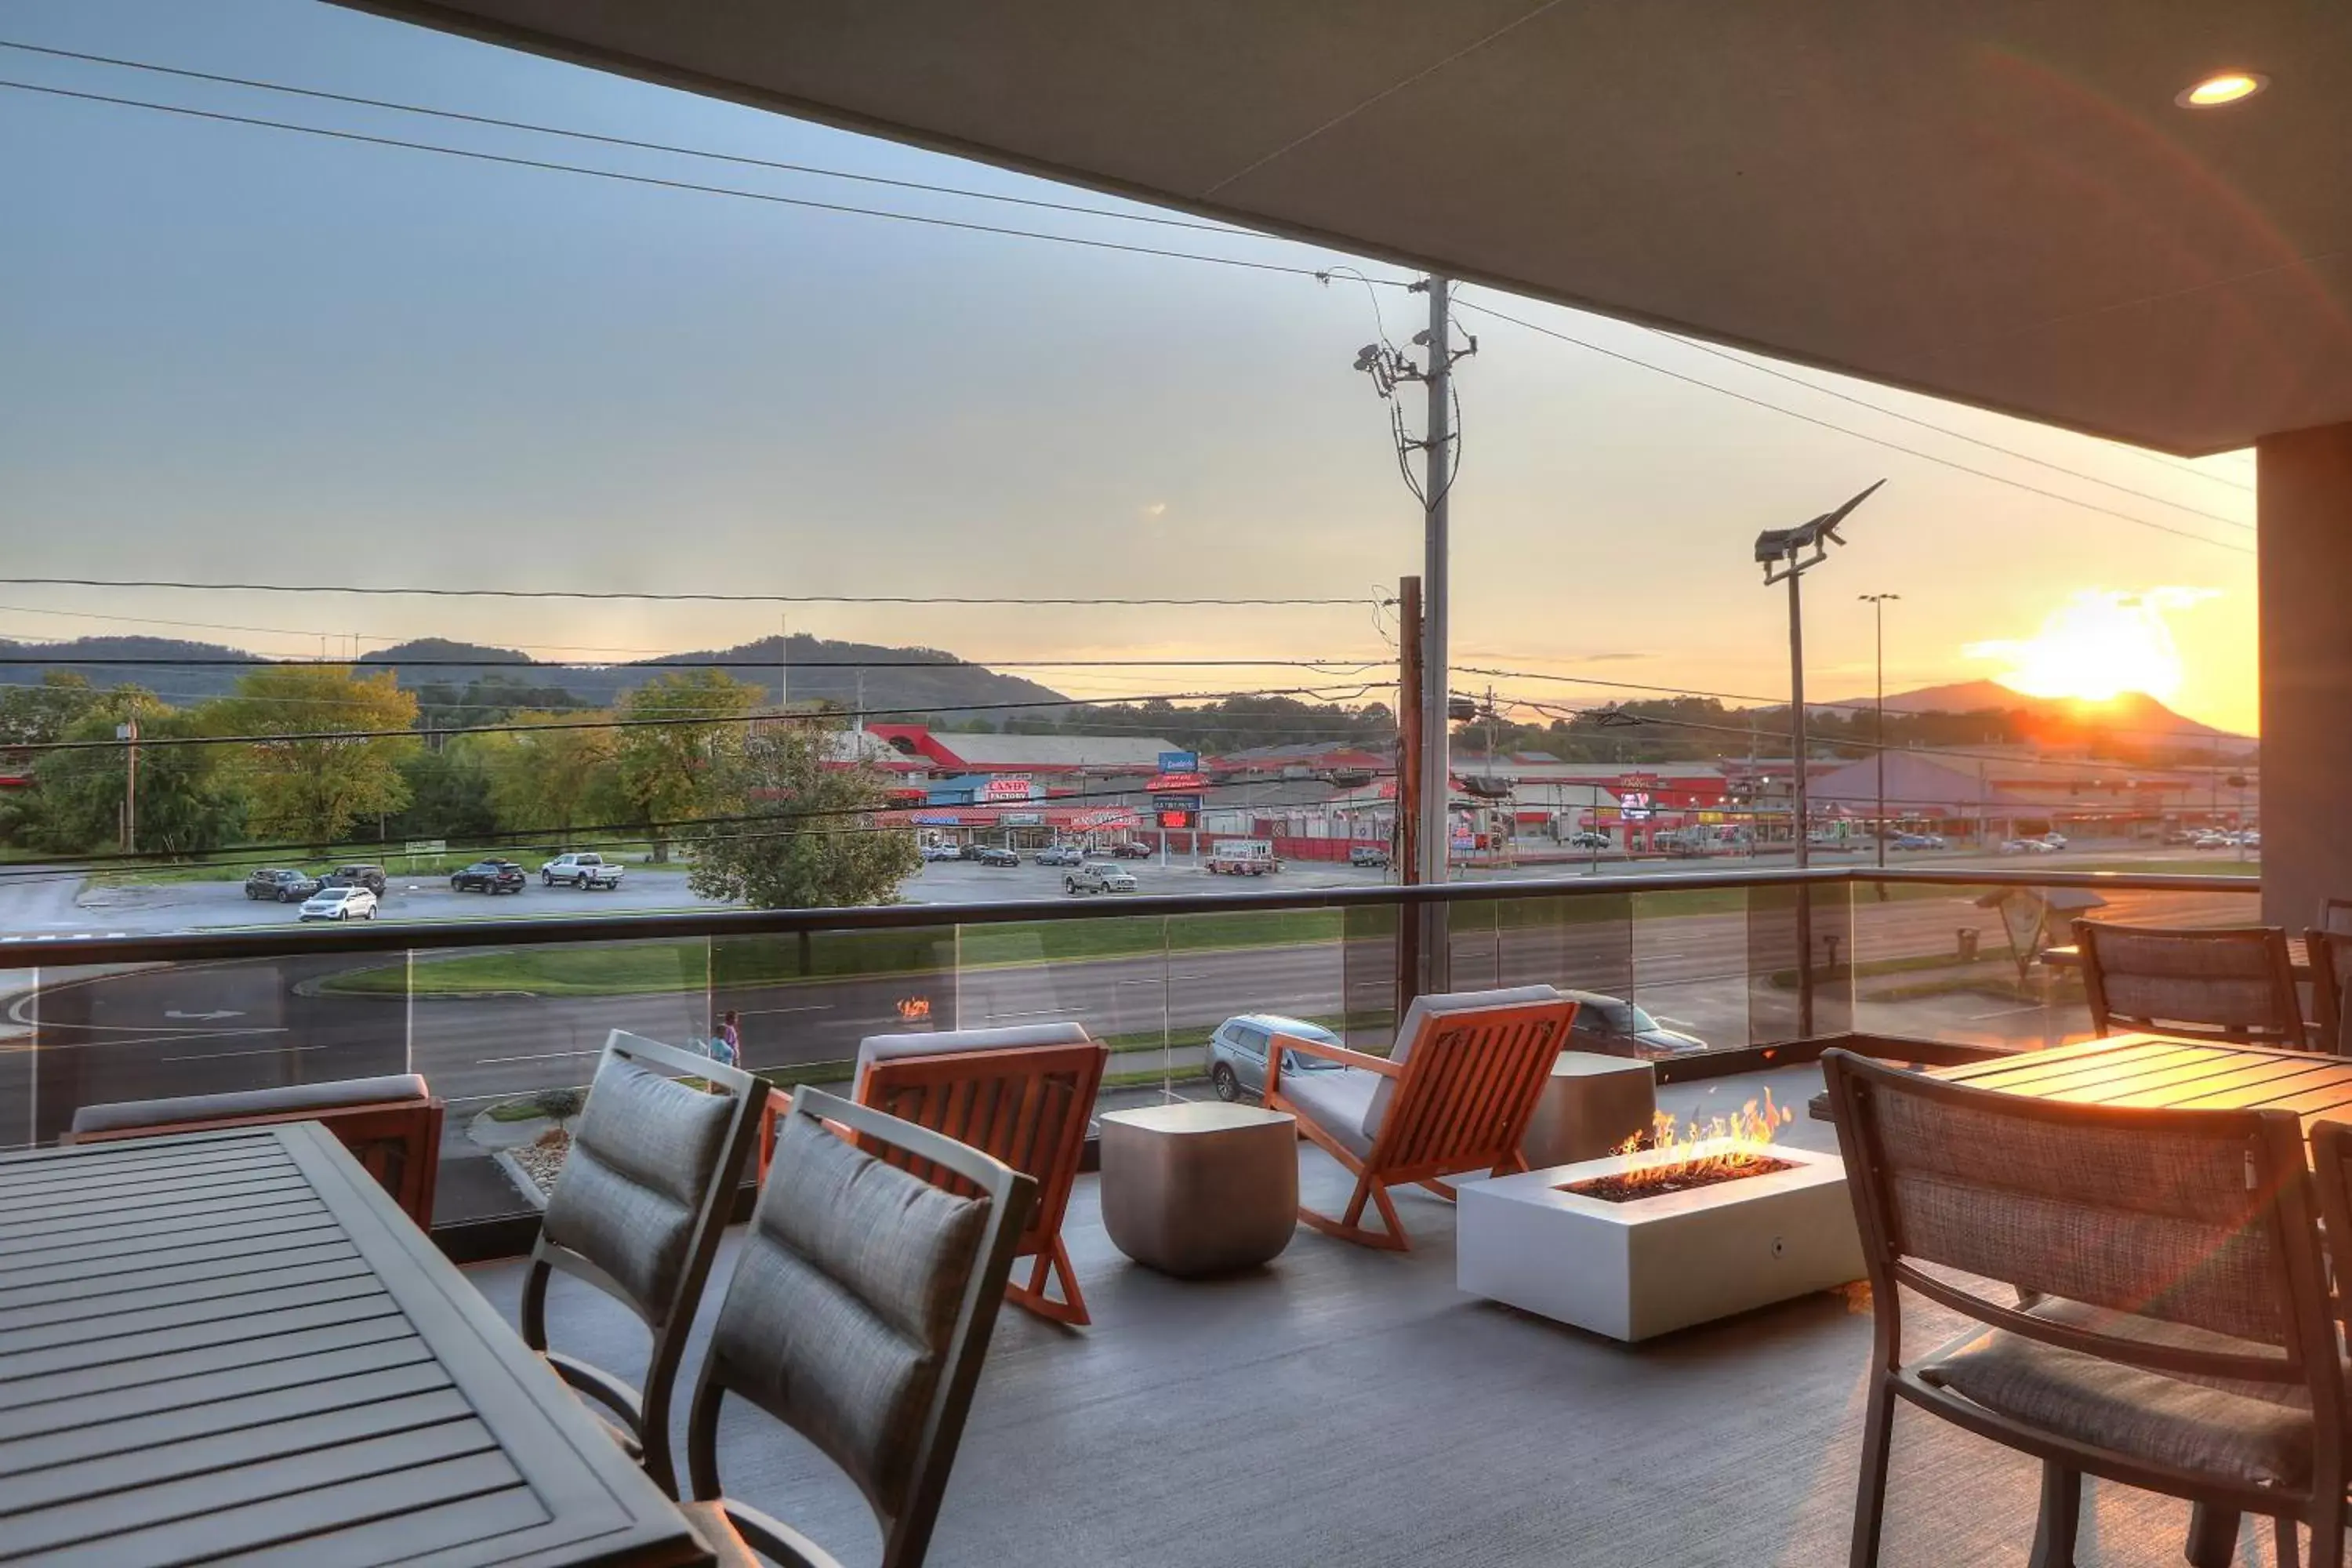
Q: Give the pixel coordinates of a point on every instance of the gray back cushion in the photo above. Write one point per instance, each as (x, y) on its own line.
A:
(1429, 1011)
(644, 1152)
(287, 1100)
(844, 1301)
(881, 1047)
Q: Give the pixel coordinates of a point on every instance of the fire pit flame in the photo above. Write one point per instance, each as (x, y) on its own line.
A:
(1668, 1160)
(915, 1009)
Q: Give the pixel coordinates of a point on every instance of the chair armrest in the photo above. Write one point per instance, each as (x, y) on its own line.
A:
(600, 1386)
(1343, 1054)
(771, 1538)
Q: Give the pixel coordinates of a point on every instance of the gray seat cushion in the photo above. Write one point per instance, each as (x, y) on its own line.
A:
(844, 1300)
(1337, 1102)
(1438, 1007)
(2248, 1432)
(288, 1100)
(643, 1156)
(880, 1048)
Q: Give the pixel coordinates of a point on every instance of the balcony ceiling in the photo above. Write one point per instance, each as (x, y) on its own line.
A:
(1997, 201)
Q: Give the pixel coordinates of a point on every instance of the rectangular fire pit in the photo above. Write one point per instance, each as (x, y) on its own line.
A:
(1649, 1265)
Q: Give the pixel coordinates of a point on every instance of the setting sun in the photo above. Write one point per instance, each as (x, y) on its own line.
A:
(2096, 646)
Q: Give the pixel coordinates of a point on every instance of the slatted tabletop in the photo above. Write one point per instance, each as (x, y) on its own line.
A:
(234, 1345)
(2070, 956)
(2154, 1071)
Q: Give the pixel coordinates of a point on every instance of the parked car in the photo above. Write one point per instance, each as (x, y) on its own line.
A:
(997, 855)
(2029, 847)
(580, 870)
(1060, 854)
(489, 877)
(346, 903)
(969, 851)
(2055, 840)
(1129, 849)
(1371, 855)
(355, 876)
(1614, 1026)
(280, 886)
(1586, 839)
(1098, 876)
(1238, 1046)
(943, 852)
(1917, 841)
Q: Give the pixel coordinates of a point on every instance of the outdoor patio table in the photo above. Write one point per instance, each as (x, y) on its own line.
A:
(234, 1345)
(2160, 1072)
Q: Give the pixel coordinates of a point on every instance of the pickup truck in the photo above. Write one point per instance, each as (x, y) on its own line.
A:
(1099, 876)
(580, 871)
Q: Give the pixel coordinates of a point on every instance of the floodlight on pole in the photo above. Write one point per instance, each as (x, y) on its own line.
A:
(1877, 602)
(1786, 554)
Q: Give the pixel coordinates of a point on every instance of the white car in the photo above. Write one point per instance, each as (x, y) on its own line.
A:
(2029, 847)
(1099, 876)
(2055, 840)
(340, 904)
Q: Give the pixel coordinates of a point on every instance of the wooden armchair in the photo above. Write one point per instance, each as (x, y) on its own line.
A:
(2231, 985)
(1021, 1095)
(1453, 1098)
(392, 1125)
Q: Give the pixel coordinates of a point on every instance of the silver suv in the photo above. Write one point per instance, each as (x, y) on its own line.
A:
(1237, 1052)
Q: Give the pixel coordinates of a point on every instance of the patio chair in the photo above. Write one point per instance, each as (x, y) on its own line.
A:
(1023, 1095)
(2172, 1328)
(2234, 987)
(647, 1186)
(392, 1125)
(2331, 973)
(858, 1315)
(2336, 916)
(1454, 1096)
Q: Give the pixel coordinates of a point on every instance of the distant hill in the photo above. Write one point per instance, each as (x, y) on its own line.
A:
(911, 680)
(2134, 720)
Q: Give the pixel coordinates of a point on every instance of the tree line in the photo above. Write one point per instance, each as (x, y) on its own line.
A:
(328, 755)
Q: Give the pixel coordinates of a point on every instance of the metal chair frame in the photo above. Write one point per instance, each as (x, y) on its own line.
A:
(1009, 1196)
(2279, 972)
(643, 1416)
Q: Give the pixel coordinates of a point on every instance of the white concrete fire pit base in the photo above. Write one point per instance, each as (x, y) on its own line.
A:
(1634, 1269)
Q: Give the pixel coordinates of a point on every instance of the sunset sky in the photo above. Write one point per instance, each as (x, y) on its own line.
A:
(239, 353)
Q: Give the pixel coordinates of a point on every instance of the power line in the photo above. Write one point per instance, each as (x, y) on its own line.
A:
(1592, 347)
(666, 661)
(804, 203)
(1778, 374)
(674, 597)
(632, 142)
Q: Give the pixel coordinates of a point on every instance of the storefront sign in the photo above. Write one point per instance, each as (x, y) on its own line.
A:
(1010, 786)
(1178, 782)
(1180, 762)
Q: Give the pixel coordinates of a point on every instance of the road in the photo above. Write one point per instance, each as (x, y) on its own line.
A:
(200, 1028)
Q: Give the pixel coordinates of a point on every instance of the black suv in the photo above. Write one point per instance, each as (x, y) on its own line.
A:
(489, 877)
(368, 876)
(994, 855)
(280, 886)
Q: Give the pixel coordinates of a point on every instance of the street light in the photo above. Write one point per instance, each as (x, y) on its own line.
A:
(1786, 554)
(1877, 602)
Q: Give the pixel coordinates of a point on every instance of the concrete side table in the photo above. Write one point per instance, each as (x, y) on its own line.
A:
(1199, 1189)
(1592, 1104)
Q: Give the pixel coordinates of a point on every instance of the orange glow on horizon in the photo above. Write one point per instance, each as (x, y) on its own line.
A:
(2098, 646)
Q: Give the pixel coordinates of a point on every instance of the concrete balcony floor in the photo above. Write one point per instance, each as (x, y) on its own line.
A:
(1347, 1406)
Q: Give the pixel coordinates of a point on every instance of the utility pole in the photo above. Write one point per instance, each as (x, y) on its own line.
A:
(129, 731)
(1407, 852)
(1877, 602)
(1436, 840)
(783, 663)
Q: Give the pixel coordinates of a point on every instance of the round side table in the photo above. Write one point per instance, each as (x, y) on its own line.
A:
(1199, 1189)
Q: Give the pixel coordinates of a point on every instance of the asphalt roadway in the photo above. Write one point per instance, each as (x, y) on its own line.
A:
(197, 1028)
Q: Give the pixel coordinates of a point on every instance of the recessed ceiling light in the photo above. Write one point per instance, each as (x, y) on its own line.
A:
(2228, 86)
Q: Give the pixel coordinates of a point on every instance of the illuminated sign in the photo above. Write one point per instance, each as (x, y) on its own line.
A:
(1180, 762)
(1175, 819)
(1010, 786)
(1635, 804)
(1176, 782)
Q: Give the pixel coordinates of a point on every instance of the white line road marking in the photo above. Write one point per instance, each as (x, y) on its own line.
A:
(765, 1012)
(265, 1051)
(1032, 1013)
(167, 1037)
(542, 1057)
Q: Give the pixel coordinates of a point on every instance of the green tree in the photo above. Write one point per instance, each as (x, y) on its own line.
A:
(672, 769)
(808, 840)
(335, 766)
(449, 791)
(34, 715)
(553, 778)
(186, 803)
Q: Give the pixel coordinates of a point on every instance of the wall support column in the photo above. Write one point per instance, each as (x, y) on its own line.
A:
(2305, 535)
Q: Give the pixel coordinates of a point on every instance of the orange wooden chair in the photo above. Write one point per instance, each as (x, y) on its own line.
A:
(1021, 1095)
(1454, 1097)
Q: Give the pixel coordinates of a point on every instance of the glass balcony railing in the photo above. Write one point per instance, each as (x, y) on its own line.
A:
(505, 1022)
